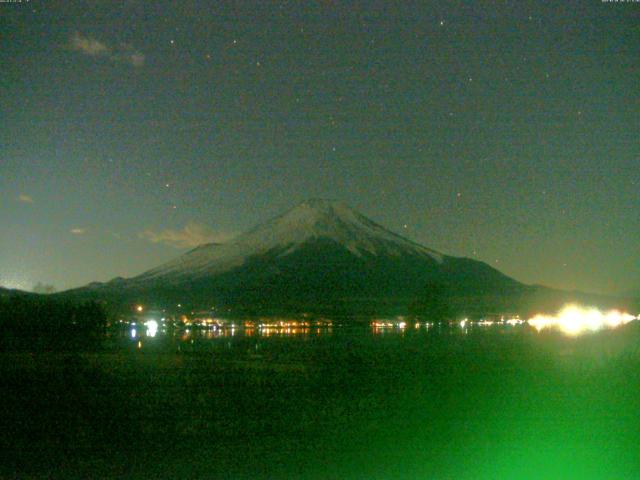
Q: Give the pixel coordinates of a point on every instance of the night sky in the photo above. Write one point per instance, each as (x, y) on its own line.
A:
(506, 131)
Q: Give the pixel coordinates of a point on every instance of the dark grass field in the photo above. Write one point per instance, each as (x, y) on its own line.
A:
(487, 405)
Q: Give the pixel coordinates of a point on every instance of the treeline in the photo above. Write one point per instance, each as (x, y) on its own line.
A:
(41, 323)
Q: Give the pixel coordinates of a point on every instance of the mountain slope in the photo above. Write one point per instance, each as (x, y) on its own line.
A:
(311, 220)
(321, 255)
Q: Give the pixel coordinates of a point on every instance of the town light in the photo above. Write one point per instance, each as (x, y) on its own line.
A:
(574, 320)
(152, 328)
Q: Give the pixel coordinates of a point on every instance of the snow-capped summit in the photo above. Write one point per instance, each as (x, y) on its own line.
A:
(311, 220)
(320, 256)
(328, 219)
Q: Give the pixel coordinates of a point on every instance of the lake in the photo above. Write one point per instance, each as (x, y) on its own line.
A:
(328, 402)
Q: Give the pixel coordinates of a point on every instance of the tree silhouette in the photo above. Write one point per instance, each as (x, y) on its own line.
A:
(43, 288)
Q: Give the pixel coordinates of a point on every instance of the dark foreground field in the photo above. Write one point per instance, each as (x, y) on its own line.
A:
(487, 405)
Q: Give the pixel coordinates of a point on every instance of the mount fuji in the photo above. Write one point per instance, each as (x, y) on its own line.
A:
(320, 256)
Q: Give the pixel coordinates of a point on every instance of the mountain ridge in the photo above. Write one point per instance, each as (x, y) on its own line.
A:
(320, 255)
(311, 219)
(323, 256)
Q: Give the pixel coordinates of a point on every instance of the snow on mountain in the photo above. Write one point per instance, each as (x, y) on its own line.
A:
(323, 256)
(310, 220)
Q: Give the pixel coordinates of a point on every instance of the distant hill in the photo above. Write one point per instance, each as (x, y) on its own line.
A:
(40, 322)
(8, 292)
(322, 256)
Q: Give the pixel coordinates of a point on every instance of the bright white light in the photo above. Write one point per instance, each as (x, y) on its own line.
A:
(402, 324)
(152, 328)
(574, 320)
(463, 323)
(133, 333)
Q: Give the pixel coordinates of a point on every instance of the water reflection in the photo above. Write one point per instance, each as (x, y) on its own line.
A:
(210, 331)
(572, 320)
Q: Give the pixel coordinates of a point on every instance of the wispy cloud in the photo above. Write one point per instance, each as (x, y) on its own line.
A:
(25, 198)
(192, 235)
(78, 231)
(136, 59)
(128, 54)
(91, 46)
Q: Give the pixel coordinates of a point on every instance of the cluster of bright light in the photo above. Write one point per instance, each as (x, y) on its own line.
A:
(574, 320)
(513, 321)
(382, 324)
(483, 322)
(152, 328)
(397, 322)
